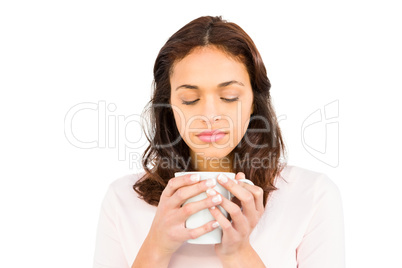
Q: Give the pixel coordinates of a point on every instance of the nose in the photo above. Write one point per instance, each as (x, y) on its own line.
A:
(211, 111)
(212, 119)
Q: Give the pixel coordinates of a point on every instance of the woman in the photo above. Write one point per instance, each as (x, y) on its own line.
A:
(211, 111)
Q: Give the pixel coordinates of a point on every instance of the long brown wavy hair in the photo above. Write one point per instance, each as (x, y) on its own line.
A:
(163, 135)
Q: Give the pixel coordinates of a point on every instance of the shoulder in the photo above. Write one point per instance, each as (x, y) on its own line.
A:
(304, 178)
(304, 183)
(313, 203)
(122, 187)
(123, 181)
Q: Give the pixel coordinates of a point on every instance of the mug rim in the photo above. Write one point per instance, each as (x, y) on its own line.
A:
(206, 172)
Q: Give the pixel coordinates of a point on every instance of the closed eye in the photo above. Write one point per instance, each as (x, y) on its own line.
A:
(224, 99)
(190, 102)
(231, 100)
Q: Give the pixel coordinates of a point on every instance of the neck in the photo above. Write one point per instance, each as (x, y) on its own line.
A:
(200, 163)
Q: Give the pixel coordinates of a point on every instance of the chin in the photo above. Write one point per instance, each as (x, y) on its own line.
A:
(213, 153)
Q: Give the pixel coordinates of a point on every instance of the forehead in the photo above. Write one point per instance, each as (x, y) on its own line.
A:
(208, 66)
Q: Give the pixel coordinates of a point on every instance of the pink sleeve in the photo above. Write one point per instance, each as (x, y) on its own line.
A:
(323, 244)
(108, 250)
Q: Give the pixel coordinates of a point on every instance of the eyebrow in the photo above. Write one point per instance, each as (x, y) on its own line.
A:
(221, 85)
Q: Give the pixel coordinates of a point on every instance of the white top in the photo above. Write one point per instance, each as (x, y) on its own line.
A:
(302, 226)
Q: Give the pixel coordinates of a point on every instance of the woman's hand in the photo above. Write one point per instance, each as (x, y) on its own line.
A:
(235, 238)
(168, 232)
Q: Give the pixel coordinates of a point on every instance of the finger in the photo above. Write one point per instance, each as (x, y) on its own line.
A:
(226, 225)
(258, 194)
(184, 193)
(246, 197)
(197, 232)
(178, 182)
(189, 209)
(239, 220)
(240, 176)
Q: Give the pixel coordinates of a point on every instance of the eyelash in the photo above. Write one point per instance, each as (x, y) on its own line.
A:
(194, 101)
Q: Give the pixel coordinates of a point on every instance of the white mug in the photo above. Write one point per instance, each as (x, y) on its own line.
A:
(202, 217)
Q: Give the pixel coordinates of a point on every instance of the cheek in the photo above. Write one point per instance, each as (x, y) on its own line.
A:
(179, 120)
(245, 119)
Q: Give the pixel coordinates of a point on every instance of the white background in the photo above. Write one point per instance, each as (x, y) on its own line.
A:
(57, 54)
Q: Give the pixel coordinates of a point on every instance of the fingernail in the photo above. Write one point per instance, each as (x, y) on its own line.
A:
(217, 199)
(215, 224)
(222, 178)
(213, 207)
(211, 182)
(195, 177)
(211, 192)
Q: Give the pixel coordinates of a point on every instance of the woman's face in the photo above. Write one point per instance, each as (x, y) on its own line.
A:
(211, 92)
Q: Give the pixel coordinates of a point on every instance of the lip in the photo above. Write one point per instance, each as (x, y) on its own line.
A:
(210, 133)
(211, 136)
